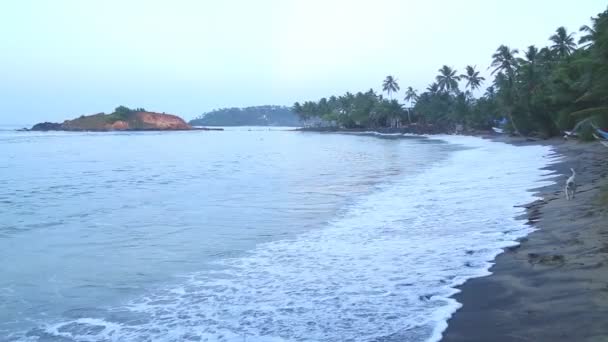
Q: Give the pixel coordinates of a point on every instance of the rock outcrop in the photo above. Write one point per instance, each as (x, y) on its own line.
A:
(47, 126)
(150, 120)
(131, 121)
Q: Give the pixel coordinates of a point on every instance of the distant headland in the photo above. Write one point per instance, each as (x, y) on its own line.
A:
(249, 116)
(122, 119)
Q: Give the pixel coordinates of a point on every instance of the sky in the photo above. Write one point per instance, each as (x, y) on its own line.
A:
(60, 59)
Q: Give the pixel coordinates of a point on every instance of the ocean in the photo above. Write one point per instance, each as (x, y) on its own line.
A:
(250, 234)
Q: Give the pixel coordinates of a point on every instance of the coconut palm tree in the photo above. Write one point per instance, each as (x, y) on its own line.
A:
(505, 63)
(563, 43)
(447, 79)
(490, 92)
(297, 108)
(588, 39)
(531, 67)
(506, 96)
(394, 113)
(530, 55)
(390, 85)
(433, 88)
(410, 97)
(504, 60)
(472, 77)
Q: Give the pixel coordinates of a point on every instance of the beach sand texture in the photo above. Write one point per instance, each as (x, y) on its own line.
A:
(554, 285)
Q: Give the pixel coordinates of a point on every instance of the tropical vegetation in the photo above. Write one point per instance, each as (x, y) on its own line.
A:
(541, 91)
(122, 113)
(249, 116)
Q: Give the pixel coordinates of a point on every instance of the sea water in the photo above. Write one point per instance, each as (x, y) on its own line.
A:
(250, 234)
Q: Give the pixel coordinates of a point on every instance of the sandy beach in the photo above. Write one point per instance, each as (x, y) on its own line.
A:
(554, 285)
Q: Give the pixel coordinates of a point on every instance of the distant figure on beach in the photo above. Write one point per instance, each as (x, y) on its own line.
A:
(571, 186)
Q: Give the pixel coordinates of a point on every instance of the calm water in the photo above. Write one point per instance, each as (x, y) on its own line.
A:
(248, 235)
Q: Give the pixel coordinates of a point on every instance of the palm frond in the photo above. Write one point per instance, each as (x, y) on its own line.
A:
(580, 114)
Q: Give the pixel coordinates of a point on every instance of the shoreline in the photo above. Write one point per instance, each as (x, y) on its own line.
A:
(409, 129)
(553, 286)
(118, 130)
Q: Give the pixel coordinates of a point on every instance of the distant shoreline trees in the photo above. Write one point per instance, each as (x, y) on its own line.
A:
(539, 91)
(249, 116)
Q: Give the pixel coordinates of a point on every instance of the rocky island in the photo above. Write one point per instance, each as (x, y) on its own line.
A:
(122, 119)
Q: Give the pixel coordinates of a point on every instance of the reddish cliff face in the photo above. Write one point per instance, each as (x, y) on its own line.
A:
(134, 121)
(117, 126)
(151, 120)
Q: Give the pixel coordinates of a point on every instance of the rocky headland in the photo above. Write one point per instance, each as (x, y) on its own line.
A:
(122, 119)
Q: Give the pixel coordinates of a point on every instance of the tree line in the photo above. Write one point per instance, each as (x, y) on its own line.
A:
(248, 116)
(536, 91)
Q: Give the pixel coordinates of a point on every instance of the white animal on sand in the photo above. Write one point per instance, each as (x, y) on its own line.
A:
(571, 186)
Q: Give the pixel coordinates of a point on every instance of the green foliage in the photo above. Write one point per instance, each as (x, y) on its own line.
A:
(503, 60)
(122, 110)
(390, 85)
(472, 77)
(250, 116)
(358, 110)
(447, 79)
(540, 91)
(120, 113)
(563, 43)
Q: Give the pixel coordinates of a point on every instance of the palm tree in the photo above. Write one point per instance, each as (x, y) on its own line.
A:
(447, 79)
(297, 108)
(504, 60)
(532, 58)
(390, 85)
(433, 88)
(563, 43)
(395, 112)
(531, 55)
(506, 97)
(410, 97)
(505, 63)
(588, 39)
(530, 67)
(490, 92)
(473, 79)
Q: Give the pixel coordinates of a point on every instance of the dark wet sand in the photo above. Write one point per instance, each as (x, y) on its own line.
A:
(554, 285)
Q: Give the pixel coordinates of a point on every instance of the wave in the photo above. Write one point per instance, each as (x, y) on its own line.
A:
(385, 270)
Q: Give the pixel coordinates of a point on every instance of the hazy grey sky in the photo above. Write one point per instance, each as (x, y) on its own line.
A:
(63, 58)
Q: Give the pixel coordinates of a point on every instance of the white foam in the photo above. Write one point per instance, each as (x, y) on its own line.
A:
(384, 270)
